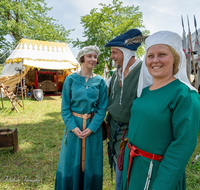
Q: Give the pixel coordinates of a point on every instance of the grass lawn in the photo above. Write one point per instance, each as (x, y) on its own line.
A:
(40, 128)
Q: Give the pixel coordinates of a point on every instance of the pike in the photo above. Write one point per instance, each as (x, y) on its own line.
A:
(192, 53)
(197, 50)
(106, 65)
(183, 37)
(186, 50)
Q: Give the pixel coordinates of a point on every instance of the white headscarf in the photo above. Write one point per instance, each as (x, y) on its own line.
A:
(168, 38)
(127, 56)
(86, 50)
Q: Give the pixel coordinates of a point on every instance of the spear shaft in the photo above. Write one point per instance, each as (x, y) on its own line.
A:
(197, 50)
(194, 68)
(184, 49)
(107, 66)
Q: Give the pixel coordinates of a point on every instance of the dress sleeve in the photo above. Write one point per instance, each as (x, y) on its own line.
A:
(102, 107)
(185, 127)
(67, 117)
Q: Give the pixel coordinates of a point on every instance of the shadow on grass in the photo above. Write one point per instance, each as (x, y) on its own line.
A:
(54, 114)
(31, 99)
(6, 110)
(49, 98)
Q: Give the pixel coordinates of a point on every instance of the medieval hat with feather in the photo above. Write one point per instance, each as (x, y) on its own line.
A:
(128, 44)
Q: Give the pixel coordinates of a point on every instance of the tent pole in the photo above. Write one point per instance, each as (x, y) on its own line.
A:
(37, 78)
(64, 75)
(57, 81)
(22, 90)
(1, 99)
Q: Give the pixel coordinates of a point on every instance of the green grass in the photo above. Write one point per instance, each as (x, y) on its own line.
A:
(40, 128)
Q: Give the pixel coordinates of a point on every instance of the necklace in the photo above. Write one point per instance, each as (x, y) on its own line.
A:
(85, 76)
(84, 84)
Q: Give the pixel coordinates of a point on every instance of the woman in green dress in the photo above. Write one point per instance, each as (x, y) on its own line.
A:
(84, 103)
(165, 118)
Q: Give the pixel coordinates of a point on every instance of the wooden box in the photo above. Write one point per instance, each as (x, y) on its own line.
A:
(9, 138)
(47, 86)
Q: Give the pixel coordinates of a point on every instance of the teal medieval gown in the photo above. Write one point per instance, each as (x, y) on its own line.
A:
(165, 122)
(76, 98)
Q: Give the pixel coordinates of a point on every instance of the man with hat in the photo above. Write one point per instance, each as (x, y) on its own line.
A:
(122, 92)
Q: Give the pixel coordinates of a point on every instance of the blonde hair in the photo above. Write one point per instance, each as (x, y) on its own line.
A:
(176, 59)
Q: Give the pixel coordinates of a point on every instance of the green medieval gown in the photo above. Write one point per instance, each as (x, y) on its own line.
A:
(165, 122)
(76, 98)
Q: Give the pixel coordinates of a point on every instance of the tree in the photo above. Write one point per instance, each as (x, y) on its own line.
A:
(102, 25)
(28, 19)
(3, 56)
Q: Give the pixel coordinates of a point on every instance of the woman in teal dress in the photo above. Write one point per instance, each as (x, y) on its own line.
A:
(165, 118)
(80, 164)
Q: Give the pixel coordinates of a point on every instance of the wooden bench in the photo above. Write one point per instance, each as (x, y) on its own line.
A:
(9, 138)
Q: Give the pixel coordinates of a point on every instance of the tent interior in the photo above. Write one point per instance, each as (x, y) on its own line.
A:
(47, 80)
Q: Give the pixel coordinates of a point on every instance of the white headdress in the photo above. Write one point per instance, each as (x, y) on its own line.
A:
(86, 50)
(168, 38)
(127, 56)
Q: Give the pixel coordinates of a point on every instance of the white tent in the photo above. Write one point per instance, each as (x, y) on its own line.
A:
(37, 54)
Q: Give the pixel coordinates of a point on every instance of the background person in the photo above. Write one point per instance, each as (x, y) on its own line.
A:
(165, 119)
(81, 158)
(122, 91)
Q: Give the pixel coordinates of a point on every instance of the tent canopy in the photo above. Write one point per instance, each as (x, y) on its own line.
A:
(37, 54)
(41, 55)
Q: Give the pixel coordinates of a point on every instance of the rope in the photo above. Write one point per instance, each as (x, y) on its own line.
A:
(10, 48)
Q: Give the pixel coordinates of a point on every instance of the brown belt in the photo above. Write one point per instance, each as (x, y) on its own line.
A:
(84, 117)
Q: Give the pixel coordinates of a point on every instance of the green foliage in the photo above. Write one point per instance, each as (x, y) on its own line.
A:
(3, 57)
(28, 19)
(107, 22)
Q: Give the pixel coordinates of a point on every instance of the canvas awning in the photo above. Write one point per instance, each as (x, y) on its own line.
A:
(51, 65)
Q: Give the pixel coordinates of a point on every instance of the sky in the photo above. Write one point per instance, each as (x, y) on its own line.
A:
(157, 14)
